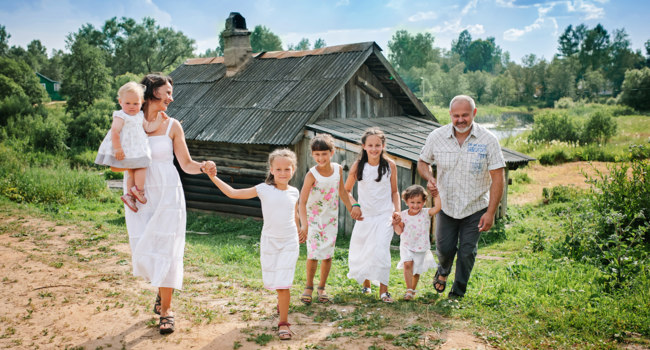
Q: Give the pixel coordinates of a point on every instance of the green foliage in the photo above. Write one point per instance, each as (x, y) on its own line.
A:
(14, 106)
(407, 51)
(560, 194)
(302, 45)
(636, 89)
(564, 103)
(86, 75)
(22, 75)
(600, 128)
(4, 40)
(89, 127)
(262, 39)
(551, 126)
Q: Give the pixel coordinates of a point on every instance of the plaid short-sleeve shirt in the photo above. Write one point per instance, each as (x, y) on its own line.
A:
(463, 175)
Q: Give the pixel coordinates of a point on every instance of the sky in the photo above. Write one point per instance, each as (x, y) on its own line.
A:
(520, 27)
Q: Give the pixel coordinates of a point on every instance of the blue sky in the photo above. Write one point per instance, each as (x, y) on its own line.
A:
(519, 26)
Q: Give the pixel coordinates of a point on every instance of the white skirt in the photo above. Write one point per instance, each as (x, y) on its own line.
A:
(278, 257)
(422, 261)
(369, 255)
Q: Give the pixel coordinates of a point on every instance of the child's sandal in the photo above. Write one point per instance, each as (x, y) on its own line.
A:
(386, 298)
(284, 334)
(323, 297)
(307, 298)
(138, 194)
(409, 295)
(129, 202)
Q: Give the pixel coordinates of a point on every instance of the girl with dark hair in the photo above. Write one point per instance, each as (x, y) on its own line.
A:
(376, 211)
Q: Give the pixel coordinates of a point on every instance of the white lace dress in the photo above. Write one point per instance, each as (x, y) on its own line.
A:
(157, 230)
(134, 143)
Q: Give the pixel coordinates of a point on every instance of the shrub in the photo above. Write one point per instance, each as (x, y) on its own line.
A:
(549, 126)
(635, 91)
(564, 103)
(600, 127)
(555, 156)
(88, 128)
(560, 194)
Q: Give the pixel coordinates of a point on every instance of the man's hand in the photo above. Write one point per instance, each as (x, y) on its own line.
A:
(397, 218)
(486, 222)
(432, 187)
(119, 154)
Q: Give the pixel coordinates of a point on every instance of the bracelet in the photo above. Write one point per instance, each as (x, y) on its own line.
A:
(201, 168)
(356, 205)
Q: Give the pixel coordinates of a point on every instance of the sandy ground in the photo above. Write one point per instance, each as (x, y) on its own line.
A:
(57, 297)
(550, 176)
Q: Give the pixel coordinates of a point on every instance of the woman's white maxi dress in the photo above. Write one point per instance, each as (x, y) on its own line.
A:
(157, 230)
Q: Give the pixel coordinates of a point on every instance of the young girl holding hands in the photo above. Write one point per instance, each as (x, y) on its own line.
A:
(319, 212)
(126, 146)
(415, 246)
(377, 209)
(279, 241)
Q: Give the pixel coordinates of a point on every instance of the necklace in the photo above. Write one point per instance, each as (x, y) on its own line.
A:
(148, 125)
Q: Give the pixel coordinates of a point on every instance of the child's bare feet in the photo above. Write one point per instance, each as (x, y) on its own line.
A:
(129, 201)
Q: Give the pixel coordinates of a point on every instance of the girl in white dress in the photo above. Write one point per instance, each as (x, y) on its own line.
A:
(319, 213)
(279, 241)
(377, 209)
(126, 146)
(415, 245)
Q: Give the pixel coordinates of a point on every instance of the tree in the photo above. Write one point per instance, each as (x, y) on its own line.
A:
(86, 77)
(302, 45)
(560, 77)
(503, 89)
(53, 68)
(21, 74)
(622, 59)
(319, 43)
(478, 84)
(595, 48)
(262, 39)
(570, 40)
(407, 51)
(593, 83)
(461, 45)
(36, 55)
(636, 89)
(4, 41)
(647, 53)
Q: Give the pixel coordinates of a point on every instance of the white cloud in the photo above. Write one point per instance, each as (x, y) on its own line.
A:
(455, 27)
(421, 16)
(506, 3)
(470, 5)
(514, 34)
(589, 10)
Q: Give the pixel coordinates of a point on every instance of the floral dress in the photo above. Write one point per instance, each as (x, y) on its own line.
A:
(322, 214)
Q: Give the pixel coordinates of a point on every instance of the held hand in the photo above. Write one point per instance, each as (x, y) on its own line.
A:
(356, 214)
(397, 218)
(486, 222)
(119, 154)
(302, 235)
(210, 168)
(432, 187)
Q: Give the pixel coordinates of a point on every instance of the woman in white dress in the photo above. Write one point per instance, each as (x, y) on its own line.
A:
(157, 230)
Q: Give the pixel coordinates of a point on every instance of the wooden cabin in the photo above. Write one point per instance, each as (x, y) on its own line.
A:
(236, 109)
(51, 86)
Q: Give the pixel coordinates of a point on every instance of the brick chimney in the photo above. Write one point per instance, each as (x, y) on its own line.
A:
(237, 50)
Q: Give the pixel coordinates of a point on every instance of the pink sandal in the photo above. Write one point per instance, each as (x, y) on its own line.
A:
(130, 202)
(138, 194)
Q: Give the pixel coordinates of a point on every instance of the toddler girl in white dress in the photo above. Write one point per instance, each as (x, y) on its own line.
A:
(126, 146)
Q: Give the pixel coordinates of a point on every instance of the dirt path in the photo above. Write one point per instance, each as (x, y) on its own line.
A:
(69, 287)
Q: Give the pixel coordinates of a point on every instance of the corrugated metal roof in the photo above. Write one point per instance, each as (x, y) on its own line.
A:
(405, 136)
(271, 100)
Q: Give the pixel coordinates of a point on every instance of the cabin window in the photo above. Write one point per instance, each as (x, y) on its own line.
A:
(43, 85)
(57, 87)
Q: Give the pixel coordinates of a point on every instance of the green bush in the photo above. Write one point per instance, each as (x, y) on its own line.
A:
(549, 126)
(635, 91)
(555, 156)
(88, 128)
(560, 194)
(564, 103)
(600, 127)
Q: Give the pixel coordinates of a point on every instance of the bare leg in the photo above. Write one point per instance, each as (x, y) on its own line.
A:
(130, 181)
(408, 274)
(416, 279)
(325, 266)
(140, 176)
(311, 266)
(166, 302)
(284, 296)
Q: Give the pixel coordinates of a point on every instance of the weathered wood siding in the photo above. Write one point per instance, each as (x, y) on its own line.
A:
(357, 101)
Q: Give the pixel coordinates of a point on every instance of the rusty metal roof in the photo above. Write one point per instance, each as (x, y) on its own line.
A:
(405, 136)
(276, 94)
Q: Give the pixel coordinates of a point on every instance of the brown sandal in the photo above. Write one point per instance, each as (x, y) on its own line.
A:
(323, 297)
(164, 321)
(157, 306)
(307, 298)
(284, 334)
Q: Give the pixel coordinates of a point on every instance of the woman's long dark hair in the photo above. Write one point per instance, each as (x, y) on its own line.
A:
(383, 163)
(152, 82)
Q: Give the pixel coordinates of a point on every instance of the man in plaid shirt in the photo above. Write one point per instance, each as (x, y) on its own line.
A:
(470, 180)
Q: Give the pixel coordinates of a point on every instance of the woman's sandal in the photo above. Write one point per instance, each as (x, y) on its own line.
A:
(307, 298)
(165, 321)
(386, 298)
(157, 305)
(323, 297)
(410, 294)
(284, 334)
(438, 281)
(138, 194)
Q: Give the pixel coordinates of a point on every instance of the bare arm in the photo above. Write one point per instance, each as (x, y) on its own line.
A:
(182, 153)
(424, 169)
(355, 213)
(437, 206)
(116, 128)
(394, 192)
(242, 193)
(302, 205)
(296, 218)
(398, 228)
(496, 192)
(343, 194)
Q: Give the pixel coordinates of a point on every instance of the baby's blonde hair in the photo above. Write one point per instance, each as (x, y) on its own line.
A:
(280, 152)
(132, 86)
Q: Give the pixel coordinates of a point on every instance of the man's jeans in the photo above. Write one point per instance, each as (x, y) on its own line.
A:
(457, 235)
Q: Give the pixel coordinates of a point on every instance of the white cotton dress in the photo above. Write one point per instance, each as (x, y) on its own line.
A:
(134, 143)
(323, 214)
(157, 230)
(369, 254)
(279, 240)
(415, 244)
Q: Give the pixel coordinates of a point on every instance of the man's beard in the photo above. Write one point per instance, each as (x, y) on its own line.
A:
(462, 131)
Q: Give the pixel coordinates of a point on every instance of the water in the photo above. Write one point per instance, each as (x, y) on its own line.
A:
(507, 124)
(502, 133)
